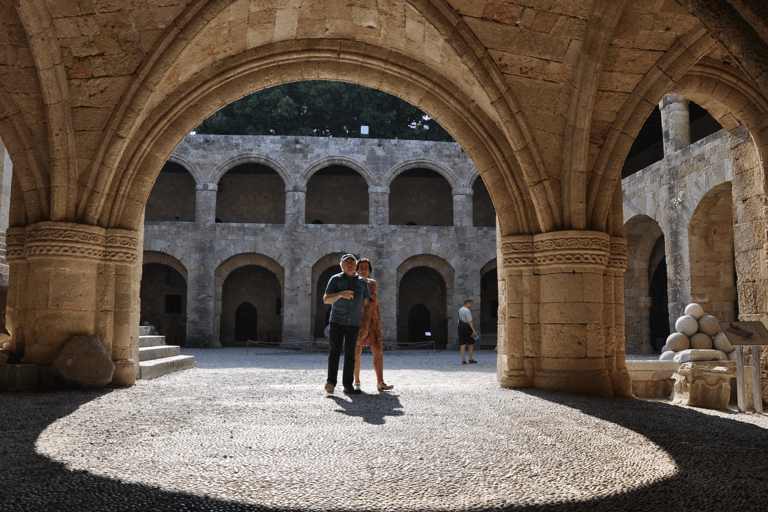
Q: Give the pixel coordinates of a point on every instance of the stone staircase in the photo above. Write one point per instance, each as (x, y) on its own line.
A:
(156, 358)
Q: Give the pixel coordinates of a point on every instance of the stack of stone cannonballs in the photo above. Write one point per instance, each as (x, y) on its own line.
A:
(698, 338)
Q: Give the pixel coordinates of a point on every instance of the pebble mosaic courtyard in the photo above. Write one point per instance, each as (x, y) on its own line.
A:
(254, 430)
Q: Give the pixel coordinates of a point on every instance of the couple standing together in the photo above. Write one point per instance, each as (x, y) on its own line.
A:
(355, 323)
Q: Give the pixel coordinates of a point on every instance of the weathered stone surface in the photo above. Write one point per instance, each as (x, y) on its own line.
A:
(721, 342)
(703, 385)
(694, 310)
(687, 325)
(699, 355)
(701, 341)
(84, 362)
(678, 341)
(708, 325)
(18, 377)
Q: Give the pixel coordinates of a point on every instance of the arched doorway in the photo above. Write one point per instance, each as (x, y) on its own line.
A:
(245, 291)
(422, 289)
(164, 301)
(246, 322)
(489, 307)
(419, 324)
(659, 315)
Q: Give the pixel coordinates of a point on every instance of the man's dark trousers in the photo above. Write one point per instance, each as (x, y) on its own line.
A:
(346, 336)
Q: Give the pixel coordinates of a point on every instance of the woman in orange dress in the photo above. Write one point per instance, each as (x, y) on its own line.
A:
(373, 335)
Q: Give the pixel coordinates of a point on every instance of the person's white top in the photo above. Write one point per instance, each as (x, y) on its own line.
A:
(465, 315)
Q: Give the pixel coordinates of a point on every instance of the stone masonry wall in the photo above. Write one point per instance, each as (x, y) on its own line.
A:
(457, 252)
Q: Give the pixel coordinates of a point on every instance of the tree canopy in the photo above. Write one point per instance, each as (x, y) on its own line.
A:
(324, 109)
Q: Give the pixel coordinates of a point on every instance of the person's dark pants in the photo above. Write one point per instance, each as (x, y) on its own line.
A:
(346, 336)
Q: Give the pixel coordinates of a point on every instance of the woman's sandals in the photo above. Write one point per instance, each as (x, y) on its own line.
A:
(381, 386)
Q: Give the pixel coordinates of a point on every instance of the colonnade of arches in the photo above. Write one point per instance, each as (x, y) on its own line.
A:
(250, 290)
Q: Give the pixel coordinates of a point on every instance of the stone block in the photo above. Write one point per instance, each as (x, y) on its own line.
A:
(690, 355)
(83, 362)
(18, 377)
(705, 385)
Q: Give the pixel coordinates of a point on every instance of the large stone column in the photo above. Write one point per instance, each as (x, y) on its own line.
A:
(462, 207)
(73, 279)
(562, 328)
(378, 206)
(201, 291)
(205, 203)
(295, 204)
(675, 123)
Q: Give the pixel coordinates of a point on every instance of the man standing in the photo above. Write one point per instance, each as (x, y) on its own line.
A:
(467, 333)
(350, 299)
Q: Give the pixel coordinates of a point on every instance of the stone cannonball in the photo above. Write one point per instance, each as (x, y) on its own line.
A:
(701, 340)
(694, 310)
(678, 341)
(667, 356)
(708, 325)
(687, 325)
(722, 343)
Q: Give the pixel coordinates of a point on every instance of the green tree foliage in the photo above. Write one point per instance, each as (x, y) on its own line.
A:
(324, 109)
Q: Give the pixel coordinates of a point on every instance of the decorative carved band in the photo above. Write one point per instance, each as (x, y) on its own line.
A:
(619, 254)
(568, 249)
(71, 241)
(517, 252)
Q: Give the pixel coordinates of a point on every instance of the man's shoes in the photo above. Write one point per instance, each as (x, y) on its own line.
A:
(463, 362)
(329, 388)
(352, 391)
(357, 386)
(472, 361)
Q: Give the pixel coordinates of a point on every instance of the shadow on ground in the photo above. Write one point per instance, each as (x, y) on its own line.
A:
(723, 464)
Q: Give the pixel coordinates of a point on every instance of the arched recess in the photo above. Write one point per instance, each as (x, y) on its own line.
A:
(173, 195)
(420, 197)
(420, 163)
(711, 248)
(336, 194)
(483, 212)
(322, 270)
(342, 161)
(251, 192)
(486, 138)
(239, 261)
(164, 296)
(443, 327)
(261, 289)
(488, 315)
(248, 158)
(642, 233)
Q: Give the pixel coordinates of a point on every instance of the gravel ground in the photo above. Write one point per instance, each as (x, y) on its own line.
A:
(255, 431)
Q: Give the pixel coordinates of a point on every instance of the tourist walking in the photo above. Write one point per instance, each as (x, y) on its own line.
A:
(467, 332)
(373, 337)
(350, 300)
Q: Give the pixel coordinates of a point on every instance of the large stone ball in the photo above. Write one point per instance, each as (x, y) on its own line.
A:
(721, 342)
(677, 342)
(708, 325)
(701, 340)
(694, 310)
(687, 325)
(667, 356)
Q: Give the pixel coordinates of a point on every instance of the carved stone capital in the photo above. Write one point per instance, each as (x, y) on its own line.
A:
(122, 246)
(65, 240)
(568, 251)
(516, 252)
(617, 261)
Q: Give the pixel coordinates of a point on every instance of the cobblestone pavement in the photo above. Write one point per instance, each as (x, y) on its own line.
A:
(255, 431)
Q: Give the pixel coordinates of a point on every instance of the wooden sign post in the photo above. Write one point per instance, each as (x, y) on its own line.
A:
(751, 334)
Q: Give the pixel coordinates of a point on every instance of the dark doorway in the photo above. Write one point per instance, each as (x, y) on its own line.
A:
(659, 306)
(419, 321)
(246, 322)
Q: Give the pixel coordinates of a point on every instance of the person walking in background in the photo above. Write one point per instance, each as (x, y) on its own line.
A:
(350, 301)
(373, 338)
(467, 333)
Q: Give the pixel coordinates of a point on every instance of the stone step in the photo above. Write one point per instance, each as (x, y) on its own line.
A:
(157, 367)
(151, 341)
(157, 352)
